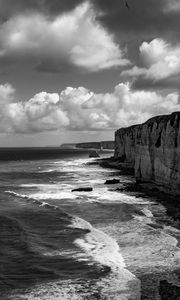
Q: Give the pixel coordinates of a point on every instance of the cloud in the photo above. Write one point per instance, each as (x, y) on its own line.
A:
(53, 7)
(6, 93)
(82, 110)
(38, 114)
(159, 59)
(172, 6)
(126, 107)
(73, 38)
(145, 19)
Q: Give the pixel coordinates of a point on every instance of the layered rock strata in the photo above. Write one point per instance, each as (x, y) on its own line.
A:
(153, 150)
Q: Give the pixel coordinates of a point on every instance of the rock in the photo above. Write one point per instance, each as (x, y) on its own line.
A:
(111, 181)
(83, 189)
(94, 154)
(168, 291)
(153, 150)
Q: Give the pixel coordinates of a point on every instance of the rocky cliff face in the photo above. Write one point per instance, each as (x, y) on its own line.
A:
(153, 149)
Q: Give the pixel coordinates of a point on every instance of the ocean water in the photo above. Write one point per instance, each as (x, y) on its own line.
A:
(58, 244)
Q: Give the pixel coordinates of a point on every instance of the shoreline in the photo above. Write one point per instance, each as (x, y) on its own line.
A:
(136, 239)
(167, 284)
(144, 189)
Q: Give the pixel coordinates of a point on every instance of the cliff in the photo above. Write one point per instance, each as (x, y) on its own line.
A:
(97, 145)
(153, 150)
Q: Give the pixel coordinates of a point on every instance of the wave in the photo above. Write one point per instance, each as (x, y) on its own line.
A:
(101, 247)
(44, 195)
(38, 247)
(104, 250)
(92, 248)
(18, 195)
(96, 244)
(53, 186)
(35, 201)
(147, 212)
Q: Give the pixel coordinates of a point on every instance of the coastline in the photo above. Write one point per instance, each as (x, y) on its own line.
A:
(152, 148)
(169, 287)
(113, 225)
(144, 189)
(60, 259)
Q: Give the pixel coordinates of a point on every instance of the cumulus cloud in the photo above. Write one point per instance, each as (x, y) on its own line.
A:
(81, 110)
(160, 60)
(126, 107)
(74, 38)
(6, 93)
(172, 6)
(38, 114)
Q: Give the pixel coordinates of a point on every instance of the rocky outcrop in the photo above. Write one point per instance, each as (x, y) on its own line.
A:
(112, 181)
(153, 149)
(83, 189)
(94, 154)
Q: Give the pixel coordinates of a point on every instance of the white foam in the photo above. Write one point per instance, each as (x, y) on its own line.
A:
(96, 181)
(45, 195)
(39, 185)
(74, 166)
(53, 195)
(101, 247)
(147, 218)
(104, 250)
(47, 171)
(37, 200)
(45, 204)
(17, 194)
(117, 196)
(53, 187)
(66, 253)
(147, 212)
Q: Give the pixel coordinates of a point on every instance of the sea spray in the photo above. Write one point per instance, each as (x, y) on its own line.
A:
(120, 284)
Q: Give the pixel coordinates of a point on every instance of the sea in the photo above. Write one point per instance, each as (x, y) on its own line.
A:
(56, 244)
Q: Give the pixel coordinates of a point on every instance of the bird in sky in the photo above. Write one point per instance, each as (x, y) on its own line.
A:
(127, 5)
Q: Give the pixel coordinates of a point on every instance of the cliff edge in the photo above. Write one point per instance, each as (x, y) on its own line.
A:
(153, 149)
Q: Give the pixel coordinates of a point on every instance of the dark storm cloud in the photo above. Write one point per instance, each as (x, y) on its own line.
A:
(11, 7)
(145, 19)
(142, 20)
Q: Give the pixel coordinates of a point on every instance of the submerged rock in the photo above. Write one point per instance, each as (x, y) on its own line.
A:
(111, 181)
(153, 150)
(94, 154)
(83, 189)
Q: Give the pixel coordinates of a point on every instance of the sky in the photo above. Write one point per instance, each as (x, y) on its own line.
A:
(76, 71)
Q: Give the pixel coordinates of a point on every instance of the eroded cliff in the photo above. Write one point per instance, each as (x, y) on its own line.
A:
(153, 149)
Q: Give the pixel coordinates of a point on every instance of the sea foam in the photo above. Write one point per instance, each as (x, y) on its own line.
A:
(120, 284)
(97, 244)
(45, 195)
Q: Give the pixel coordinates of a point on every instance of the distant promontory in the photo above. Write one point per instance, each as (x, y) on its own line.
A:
(90, 145)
